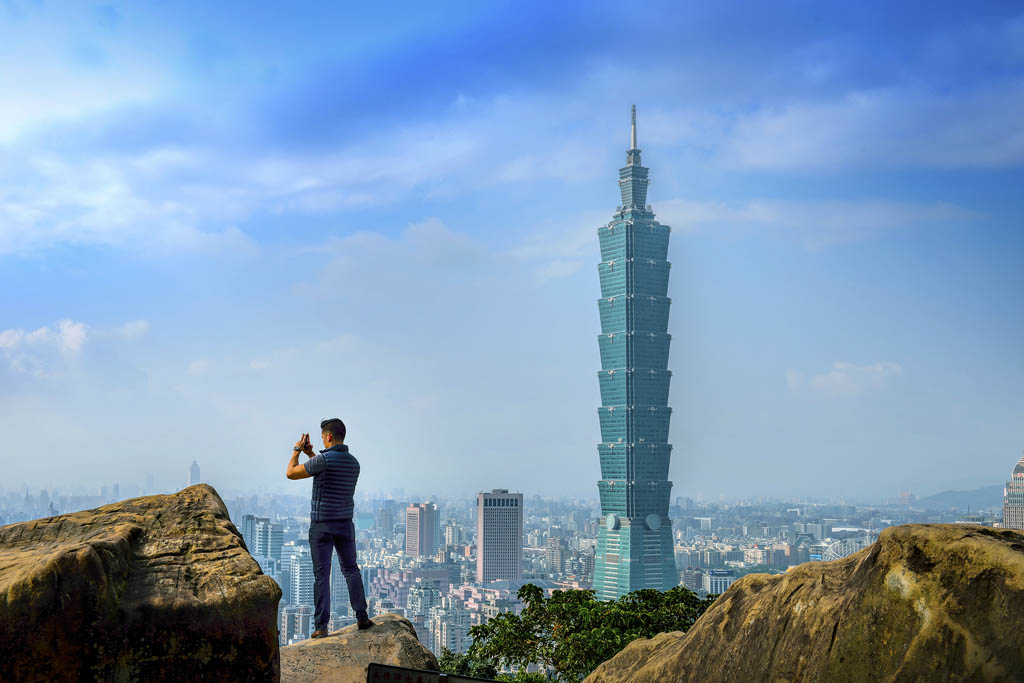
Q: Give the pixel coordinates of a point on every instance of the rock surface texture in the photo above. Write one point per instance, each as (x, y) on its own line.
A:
(343, 656)
(149, 589)
(925, 603)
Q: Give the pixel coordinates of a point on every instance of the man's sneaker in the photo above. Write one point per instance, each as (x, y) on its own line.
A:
(364, 623)
(319, 633)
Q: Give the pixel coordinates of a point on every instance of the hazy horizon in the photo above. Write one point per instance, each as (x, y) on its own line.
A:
(222, 224)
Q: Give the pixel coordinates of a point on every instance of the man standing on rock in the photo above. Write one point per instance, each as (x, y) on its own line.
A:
(334, 473)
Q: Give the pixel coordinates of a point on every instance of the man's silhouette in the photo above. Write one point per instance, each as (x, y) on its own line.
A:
(334, 473)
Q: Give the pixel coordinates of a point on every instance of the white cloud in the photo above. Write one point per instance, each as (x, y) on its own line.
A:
(896, 126)
(556, 252)
(43, 352)
(39, 336)
(817, 223)
(187, 194)
(67, 339)
(845, 379)
(70, 337)
(794, 380)
(46, 200)
(259, 364)
(60, 87)
(11, 338)
(182, 197)
(368, 266)
(48, 352)
(343, 343)
(198, 367)
(139, 200)
(556, 269)
(132, 330)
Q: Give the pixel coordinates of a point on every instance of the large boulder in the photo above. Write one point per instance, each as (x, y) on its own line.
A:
(343, 656)
(149, 589)
(926, 602)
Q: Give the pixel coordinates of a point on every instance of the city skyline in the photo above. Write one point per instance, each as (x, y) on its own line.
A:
(211, 240)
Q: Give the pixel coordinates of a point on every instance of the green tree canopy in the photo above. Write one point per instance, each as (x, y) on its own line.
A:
(571, 633)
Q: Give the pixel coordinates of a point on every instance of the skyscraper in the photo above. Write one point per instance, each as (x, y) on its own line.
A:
(301, 577)
(634, 542)
(421, 520)
(555, 552)
(248, 530)
(193, 474)
(452, 534)
(499, 536)
(262, 538)
(1013, 498)
(385, 521)
(268, 538)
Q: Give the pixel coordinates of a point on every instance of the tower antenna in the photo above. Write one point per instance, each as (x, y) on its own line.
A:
(632, 133)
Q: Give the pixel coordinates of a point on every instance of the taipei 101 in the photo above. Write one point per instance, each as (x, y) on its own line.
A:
(525, 342)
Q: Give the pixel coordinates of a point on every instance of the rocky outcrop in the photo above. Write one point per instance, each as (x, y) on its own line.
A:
(343, 656)
(149, 589)
(924, 603)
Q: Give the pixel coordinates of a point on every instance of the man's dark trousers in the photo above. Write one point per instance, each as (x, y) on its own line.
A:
(324, 538)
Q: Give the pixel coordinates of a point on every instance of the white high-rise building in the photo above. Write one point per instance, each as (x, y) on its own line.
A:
(448, 626)
(301, 577)
(193, 474)
(499, 536)
(262, 538)
(268, 538)
(1013, 498)
(296, 623)
(452, 534)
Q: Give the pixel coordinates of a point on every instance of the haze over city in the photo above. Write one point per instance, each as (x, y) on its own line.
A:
(219, 226)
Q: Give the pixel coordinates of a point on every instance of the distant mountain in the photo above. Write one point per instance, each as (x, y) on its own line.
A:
(977, 499)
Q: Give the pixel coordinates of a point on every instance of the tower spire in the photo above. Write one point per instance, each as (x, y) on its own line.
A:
(632, 132)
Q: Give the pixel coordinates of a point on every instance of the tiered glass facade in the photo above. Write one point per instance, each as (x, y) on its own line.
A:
(634, 543)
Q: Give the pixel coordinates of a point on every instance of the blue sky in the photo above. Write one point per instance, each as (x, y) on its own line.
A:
(219, 224)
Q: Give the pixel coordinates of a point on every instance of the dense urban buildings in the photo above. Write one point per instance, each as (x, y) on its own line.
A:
(634, 543)
(499, 534)
(1013, 498)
